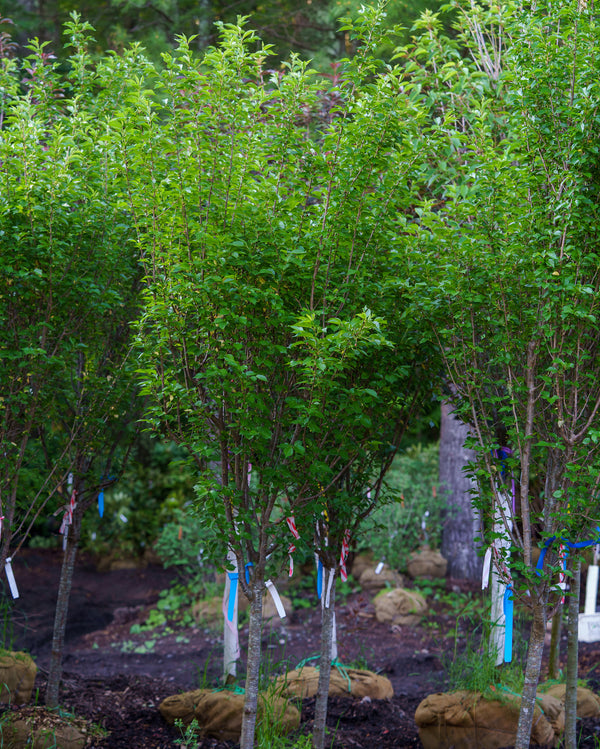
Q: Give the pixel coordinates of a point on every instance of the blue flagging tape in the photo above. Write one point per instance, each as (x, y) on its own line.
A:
(101, 502)
(320, 578)
(233, 583)
(247, 572)
(508, 626)
(578, 545)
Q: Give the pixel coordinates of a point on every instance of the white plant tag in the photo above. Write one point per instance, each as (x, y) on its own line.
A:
(379, 568)
(12, 583)
(276, 599)
(485, 575)
(330, 577)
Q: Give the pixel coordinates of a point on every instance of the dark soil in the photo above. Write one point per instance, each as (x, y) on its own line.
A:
(106, 681)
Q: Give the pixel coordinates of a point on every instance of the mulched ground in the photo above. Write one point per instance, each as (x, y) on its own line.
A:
(109, 683)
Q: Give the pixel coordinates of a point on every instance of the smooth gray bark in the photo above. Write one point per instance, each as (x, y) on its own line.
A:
(62, 609)
(327, 635)
(252, 667)
(570, 736)
(553, 660)
(532, 675)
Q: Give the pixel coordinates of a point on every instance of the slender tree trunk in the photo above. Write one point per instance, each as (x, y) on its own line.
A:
(252, 666)
(62, 608)
(327, 648)
(570, 737)
(532, 674)
(554, 658)
(461, 521)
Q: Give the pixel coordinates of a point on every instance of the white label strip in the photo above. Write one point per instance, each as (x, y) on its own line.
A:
(11, 578)
(329, 575)
(379, 568)
(485, 575)
(276, 599)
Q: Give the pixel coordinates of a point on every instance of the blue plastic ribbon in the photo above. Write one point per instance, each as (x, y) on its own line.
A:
(540, 563)
(101, 495)
(320, 578)
(247, 572)
(508, 624)
(502, 453)
(233, 583)
(569, 545)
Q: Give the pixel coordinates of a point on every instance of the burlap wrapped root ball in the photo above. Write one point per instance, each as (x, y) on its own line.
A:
(588, 703)
(464, 720)
(17, 675)
(399, 606)
(345, 682)
(219, 713)
(371, 581)
(426, 564)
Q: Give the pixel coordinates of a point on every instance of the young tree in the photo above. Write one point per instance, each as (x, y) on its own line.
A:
(516, 265)
(71, 293)
(274, 243)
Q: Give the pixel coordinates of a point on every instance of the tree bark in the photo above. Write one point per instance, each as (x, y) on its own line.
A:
(252, 667)
(554, 657)
(327, 655)
(62, 608)
(461, 521)
(532, 675)
(570, 737)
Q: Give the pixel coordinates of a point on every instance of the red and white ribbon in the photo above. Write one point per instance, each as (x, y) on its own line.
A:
(292, 526)
(291, 549)
(68, 516)
(344, 555)
(562, 575)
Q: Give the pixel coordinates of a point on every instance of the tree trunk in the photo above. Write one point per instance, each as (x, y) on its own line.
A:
(532, 674)
(461, 521)
(554, 657)
(570, 738)
(62, 608)
(327, 656)
(252, 667)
